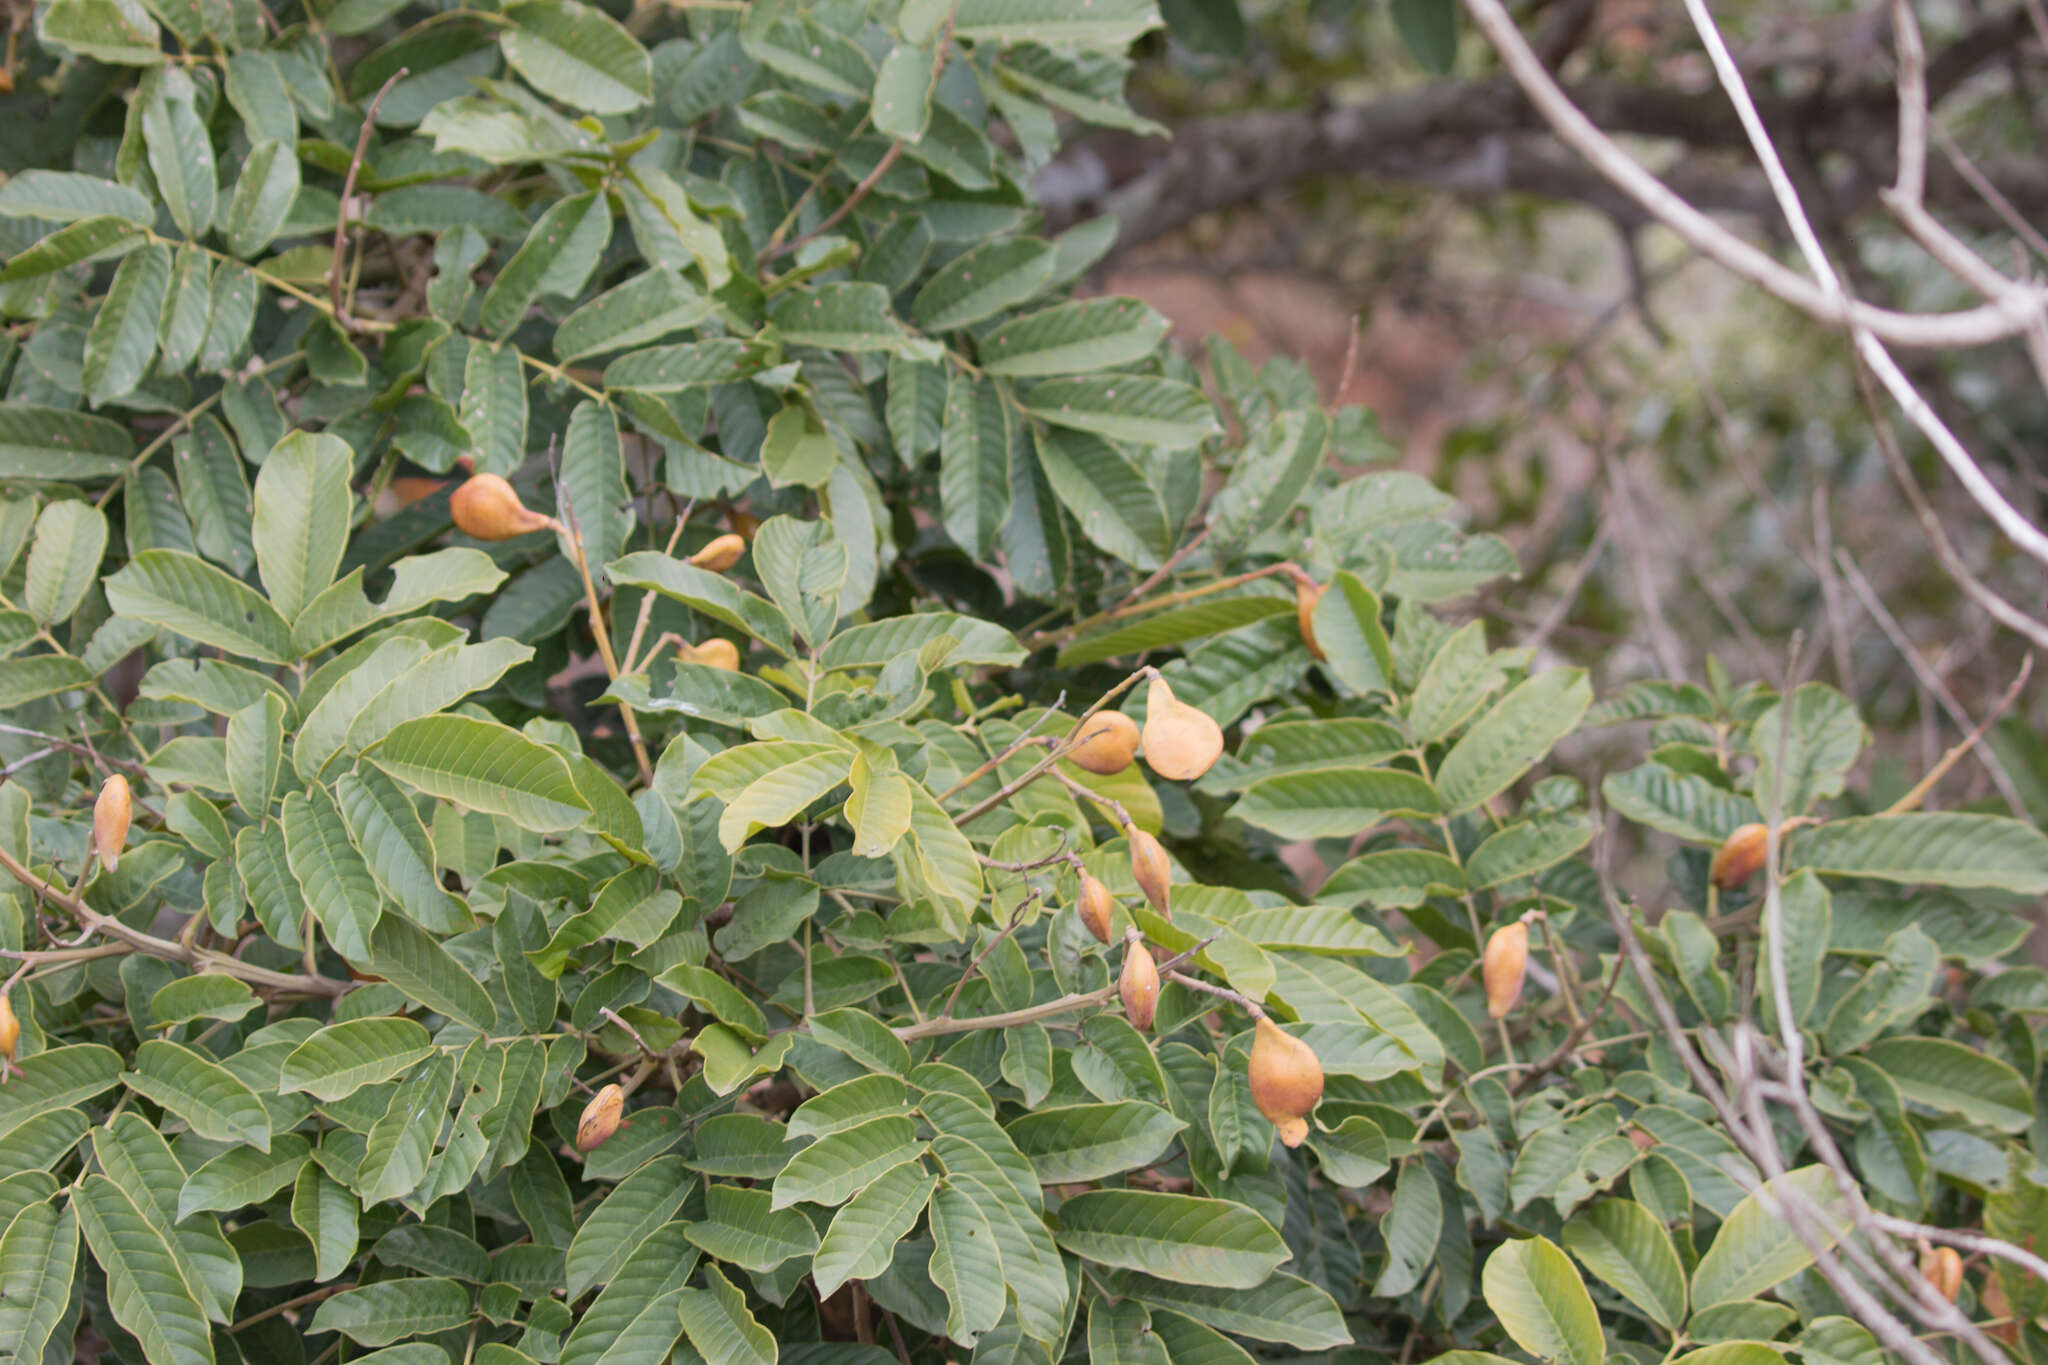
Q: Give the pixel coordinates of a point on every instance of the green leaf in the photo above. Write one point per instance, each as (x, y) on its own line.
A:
(1817, 749)
(1270, 476)
(1286, 1309)
(1429, 28)
(38, 1275)
(867, 1228)
(1079, 337)
(122, 340)
(342, 1058)
(181, 154)
(396, 1149)
(67, 197)
(633, 906)
(877, 642)
(798, 450)
(635, 1317)
(215, 491)
(643, 309)
(1541, 1301)
(23, 680)
(145, 1289)
(833, 1168)
(1121, 1334)
(1177, 625)
(485, 766)
(811, 53)
(974, 464)
(263, 197)
(71, 535)
(988, 279)
(1347, 627)
(627, 1217)
(1410, 1230)
(328, 1213)
(54, 1079)
(1333, 802)
(563, 246)
(414, 961)
(1176, 1236)
(1125, 407)
(878, 807)
(189, 597)
(1623, 1243)
(242, 1176)
(1068, 1144)
(739, 1226)
(966, 1265)
(777, 797)
(1107, 494)
(902, 96)
(255, 753)
(211, 996)
(386, 829)
(1508, 740)
(302, 518)
(379, 1314)
(1684, 805)
(1955, 1079)
(1939, 848)
(1526, 848)
(50, 443)
(1757, 1248)
(838, 317)
(1109, 24)
(717, 1322)
(332, 876)
(201, 1091)
(577, 54)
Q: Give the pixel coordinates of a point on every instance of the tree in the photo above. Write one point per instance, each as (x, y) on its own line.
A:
(623, 900)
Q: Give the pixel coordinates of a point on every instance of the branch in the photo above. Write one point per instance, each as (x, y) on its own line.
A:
(348, 188)
(1031, 1014)
(201, 959)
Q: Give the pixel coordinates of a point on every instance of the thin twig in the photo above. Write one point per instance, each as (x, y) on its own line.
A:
(1929, 679)
(348, 189)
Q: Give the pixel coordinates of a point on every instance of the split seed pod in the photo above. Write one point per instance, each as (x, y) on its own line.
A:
(1139, 986)
(716, 652)
(10, 1029)
(1095, 907)
(486, 507)
(721, 554)
(1181, 741)
(1308, 592)
(1111, 740)
(1942, 1267)
(1740, 858)
(1502, 966)
(110, 815)
(1148, 865)
(1286, 1080)
(600, 1119)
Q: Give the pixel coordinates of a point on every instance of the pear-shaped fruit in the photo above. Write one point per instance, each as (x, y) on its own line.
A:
(10, 1029)
(110, 814)
(1149, 866)
(1286, 1080)
(1109, 740)
(721, 554)
(1942, 1267)
(716, 652)
(1740, 857)
(1502, 967)
(486, 507)
(1139, 986)
(1308, 592)
(1181, 741)
(600, 1118)
(1095, 907)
